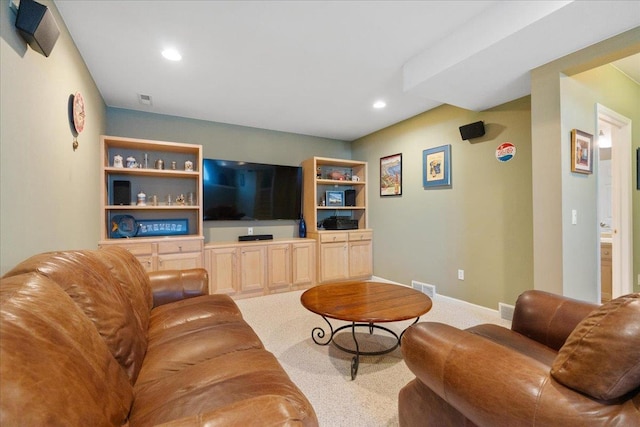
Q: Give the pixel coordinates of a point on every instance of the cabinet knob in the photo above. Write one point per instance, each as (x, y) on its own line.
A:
(606, 252)
(180, 248)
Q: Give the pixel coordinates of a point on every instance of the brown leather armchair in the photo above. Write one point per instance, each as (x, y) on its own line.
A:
(562, 363)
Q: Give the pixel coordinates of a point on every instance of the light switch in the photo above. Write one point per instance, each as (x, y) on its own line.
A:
(574, 217)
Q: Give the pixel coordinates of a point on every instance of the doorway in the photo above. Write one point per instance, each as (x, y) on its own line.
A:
(615, 226)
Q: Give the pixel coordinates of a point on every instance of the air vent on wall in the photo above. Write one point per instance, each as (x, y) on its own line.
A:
(144, 99)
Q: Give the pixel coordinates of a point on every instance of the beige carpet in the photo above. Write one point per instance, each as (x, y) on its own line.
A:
(323, 373)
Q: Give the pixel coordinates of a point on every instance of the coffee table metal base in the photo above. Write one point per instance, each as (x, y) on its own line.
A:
(318, 335)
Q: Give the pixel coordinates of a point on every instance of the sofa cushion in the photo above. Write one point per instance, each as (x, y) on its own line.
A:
(98, 294)
(601, 357)
(219, 386)
(54, 366)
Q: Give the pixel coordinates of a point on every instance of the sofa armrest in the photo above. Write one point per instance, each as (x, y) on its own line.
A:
(174, 285)
(548, 318)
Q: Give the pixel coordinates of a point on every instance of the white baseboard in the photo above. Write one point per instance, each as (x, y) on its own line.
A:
(444, 297)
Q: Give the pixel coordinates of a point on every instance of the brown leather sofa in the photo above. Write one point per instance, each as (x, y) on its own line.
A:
(562, 363)
(87, 338)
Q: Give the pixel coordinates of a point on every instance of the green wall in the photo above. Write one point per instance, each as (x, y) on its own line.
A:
(229, 142)
(49, 197)
(482, 224)
(580, 94)
(561, 101)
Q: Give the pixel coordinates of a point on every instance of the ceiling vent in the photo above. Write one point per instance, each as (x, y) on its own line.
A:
(144, 99)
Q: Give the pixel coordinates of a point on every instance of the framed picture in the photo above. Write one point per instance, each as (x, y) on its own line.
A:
(436, 167)
(391, 175)
(335, 198)
(638, 168)
(581, 152)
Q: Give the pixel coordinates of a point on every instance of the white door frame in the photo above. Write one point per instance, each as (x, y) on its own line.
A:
(622, 224)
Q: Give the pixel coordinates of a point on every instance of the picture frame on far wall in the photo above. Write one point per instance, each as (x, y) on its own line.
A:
(436, 167)
(638, 168)
(581, 152)
(391, 175)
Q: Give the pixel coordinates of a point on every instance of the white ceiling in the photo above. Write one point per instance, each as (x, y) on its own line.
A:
(316, 67)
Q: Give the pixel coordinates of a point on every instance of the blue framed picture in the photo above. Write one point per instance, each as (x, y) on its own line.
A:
(436, 167)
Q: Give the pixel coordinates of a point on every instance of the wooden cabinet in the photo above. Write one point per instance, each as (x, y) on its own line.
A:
(606, 272)
(162, 234)
(303, 262)
(344, 255)
(246, 269)
(222, 265)
(163, 253)
(279, 267)
(341, 254)
(253, 264)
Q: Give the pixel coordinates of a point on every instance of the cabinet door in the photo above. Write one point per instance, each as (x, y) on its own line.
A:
(360, 259)
(253, 270)
(279, 266)
(180, 261)
(222, 265)
(303, 264)
(334, 263)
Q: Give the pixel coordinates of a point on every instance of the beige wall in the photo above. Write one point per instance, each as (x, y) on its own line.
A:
(554, 112)
(482, 224)
(223, 141)
(48, 192)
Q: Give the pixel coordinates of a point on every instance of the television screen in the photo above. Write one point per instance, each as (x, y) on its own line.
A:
(250, 191)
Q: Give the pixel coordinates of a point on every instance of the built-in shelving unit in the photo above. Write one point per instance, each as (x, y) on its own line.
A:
(341, 254)
(175, 213)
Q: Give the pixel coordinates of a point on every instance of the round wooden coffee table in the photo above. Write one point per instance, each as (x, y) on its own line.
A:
(363, 304)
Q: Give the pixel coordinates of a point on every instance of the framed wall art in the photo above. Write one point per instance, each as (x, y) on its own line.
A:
(335, 198)
(638, 168)
(391, 175)
(436, 167)
(581, 152)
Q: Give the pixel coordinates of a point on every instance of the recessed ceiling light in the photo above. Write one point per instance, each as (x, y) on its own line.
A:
(172, 54)
(379, 104)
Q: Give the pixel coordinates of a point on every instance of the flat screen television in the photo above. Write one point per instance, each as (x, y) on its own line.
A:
(234, 191)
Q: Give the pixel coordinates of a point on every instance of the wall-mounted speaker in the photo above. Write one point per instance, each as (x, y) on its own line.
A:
(37, 27)
(121, 192)
(472, 130)
(349, 197)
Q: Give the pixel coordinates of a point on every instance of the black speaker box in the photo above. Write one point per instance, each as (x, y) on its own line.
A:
(472, 130)
(349, 197)
(252, 237)
(37, 27)
(121, 192)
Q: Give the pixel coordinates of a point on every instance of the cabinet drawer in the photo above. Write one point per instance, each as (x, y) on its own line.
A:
(139, 248)
(360, 235)
(333, 237)
(179, 246)
(605, 251)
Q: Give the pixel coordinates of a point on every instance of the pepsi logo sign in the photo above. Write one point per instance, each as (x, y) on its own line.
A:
(505, 152)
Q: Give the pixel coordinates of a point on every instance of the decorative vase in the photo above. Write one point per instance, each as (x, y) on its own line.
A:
(302, 228)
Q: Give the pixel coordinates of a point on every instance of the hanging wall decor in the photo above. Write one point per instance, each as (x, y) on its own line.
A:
(436, 167)
(391, 175)
(581, 152)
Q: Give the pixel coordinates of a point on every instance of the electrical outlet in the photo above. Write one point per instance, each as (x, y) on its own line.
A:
(250, 231)
(460, 274)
